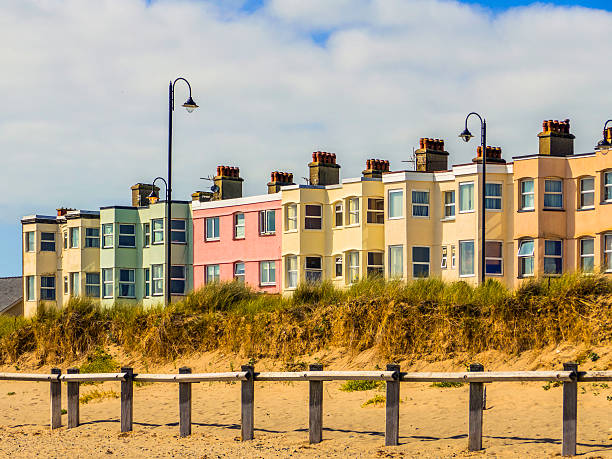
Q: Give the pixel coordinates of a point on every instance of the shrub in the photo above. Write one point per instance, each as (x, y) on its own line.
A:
(352, 386)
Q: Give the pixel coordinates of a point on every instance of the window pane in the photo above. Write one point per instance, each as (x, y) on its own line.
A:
(375, 258)
(527, 186)
(493, 189)
(420, 254)
(493, 266)
(396, 203)
(127, 229)
(587, 184)
(158, 224)
(177, 272)
(127, 241)
(552, 248)
(526, 248)
(552, 186)
(466, 196)
(449, 197)
(313, 262)
(158, 271)
(466, 258)
(239, 269)
(179, 236)
(553, 200)
(312, 223)
(527, 201)
(552, 265)
(270, 221)
(420, 197)
(313, 210)
(126, 275)
(178, 224)
(420, 270)
(493, 249)
(396, 261)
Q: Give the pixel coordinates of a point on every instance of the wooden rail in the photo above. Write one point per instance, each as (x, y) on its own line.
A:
(315, 376)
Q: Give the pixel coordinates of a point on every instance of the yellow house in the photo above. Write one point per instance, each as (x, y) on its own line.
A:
(432, 218)
(563, 217)
(61, 258)
(333, 230)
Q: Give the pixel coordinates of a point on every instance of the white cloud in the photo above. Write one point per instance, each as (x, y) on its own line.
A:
(84, 88)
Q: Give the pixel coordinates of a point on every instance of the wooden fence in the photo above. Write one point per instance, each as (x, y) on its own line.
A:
(476, 378)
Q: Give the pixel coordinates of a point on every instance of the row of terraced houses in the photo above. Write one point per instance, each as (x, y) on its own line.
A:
(547, 213)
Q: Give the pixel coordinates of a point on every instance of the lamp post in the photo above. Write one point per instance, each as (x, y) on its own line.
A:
(466, 135)
(190, 105)
(603, 143)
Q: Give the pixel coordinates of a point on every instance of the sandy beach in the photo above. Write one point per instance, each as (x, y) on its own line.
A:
(521, 420)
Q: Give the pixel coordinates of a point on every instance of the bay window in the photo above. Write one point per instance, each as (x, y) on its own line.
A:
(396, 261)
(553, 194)
(107, 283)
(353, 209)
(420, 203)
(494, 260)
(466, 258)
(292, 271)
(291, 211)
(466, 197)
(353, 266)
(127, 283)
(420, 262)
(177, 279)
(527, 195)
(314, 217)
(587, 254)
(526, 257)
(375, 265)
(313, 269)
(553, 257)
(376, 210)
(396, 203)
(493, 196)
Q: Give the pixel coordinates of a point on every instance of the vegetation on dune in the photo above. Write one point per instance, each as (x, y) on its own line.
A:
(425, 317)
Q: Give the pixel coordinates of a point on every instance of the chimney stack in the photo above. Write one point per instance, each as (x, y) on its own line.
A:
(323, 169)
(556, 139)
(494, 155)
(62, 211)
(375, 168)
(228, 182)
(431, 156)
(201, 196)
(279, 179)
(141, 192)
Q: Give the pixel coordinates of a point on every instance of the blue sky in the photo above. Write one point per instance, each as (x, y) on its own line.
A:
(275, 80)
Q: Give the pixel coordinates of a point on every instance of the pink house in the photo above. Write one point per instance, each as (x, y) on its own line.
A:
(238, 238)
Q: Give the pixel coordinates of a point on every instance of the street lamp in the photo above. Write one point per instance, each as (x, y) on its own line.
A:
(603, 143)
(466, 135)
(190, 105)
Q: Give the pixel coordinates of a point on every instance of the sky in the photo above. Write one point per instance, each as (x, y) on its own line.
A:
(84, 89)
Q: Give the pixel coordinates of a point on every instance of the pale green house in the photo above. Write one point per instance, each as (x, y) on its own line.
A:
(133, 256)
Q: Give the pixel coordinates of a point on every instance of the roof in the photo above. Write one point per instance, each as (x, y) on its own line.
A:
(11, 291)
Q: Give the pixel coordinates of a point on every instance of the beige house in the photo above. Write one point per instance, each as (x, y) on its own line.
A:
(61, 258)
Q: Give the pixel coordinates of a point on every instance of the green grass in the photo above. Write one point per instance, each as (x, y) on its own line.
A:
(377, 400)
(352, 386)
(446, 384)
(97, 395)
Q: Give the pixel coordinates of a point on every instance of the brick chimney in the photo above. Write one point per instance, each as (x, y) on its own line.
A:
(375, 168)
(494, 155)
(141, 192)
(279, 179)
(62, 211)
(431, 155)
(555, 138)
(323, 169)
(202, 196)
(229, 183)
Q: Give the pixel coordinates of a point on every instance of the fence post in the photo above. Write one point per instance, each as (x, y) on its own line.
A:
(73, 400)
(315, 407)
(247, 403)
(475, 413)
(185, 404)
(127, 399)
(56, 400)
(392, 408)
(570, 411)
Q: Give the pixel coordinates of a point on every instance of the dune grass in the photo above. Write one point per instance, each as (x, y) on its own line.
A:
(425, 317)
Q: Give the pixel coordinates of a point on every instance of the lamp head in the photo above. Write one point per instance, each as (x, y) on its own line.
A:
(466, 135)
(154, 194)
(190, 105)
(603, 143)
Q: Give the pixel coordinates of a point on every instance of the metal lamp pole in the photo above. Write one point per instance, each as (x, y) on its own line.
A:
(190, 105)
(466, 135)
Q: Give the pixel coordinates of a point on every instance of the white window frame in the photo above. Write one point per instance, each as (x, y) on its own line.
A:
(584, 256)
(239, 225)
(396, 192)
(264, 223)
(338, 264)
(584, 193)
(91, 285)
(553, 256)
(374, 213)
(352, 260)
(400, 249)
(110, 235)
(607, 187)
(216, 233)
(43, 241)
(500, 259)
(553, 193)
(338, 214)
(216, 276)
(449, 207)
(146, 234)
(316, 272)
(157, 280)
(353, 211)
(473, 273)
(526, 256)
(495, 197)
(444, 259)
(462, 186)
(371, 267)
(267, 269)
(66, 286)
(524, 194)
(147, 282)
(292, 271)
(127, 235)
(92, 241)
(291, 213)
(48, 289)
(313, 218)
(418, 204)
(75, 242)
(453, 249)
(421, 263)
(607, 252)
(176, 231)
(106, 282)
(75, 284)
(30, 241)
(240, 277)
(131, 283)
(157, 234)
(182, 278)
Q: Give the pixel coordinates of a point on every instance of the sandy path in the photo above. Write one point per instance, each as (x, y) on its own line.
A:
(523, 420)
